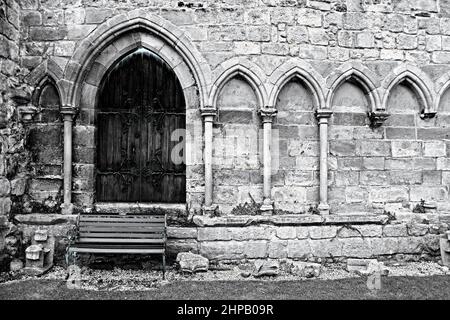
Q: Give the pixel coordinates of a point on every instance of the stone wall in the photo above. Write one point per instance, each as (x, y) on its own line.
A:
(355, 57)
(13, 156)
(376, 38)
(404, 241)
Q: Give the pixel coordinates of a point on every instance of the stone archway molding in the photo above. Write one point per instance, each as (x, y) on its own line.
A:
(251, 72)
(47, 71)
(131, 30)
(441, 86)
(361, 74)
(296, 68)
(417, 79)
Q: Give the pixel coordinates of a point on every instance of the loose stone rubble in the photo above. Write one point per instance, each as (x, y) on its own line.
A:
(191, 263)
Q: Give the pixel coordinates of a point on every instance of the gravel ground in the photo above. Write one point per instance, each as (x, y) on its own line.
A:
(141, 280)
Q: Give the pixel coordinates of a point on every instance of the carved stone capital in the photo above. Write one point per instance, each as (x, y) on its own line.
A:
(208, 112)
(377, 118)
(323, 114)
(427, 114)
(68, 112)
(267, 114)
(27, 113)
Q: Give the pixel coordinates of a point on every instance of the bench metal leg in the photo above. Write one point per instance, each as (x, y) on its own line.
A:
(164, 266)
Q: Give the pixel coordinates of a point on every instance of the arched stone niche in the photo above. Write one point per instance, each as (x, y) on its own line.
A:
(45, 142)
(296, 179)
(350, 97)
(402, 99)
(237, 178)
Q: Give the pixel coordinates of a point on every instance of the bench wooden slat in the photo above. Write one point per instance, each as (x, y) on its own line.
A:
(121, 224)
(120, 235)
(119, 240)
(114, 229)
(119, 250)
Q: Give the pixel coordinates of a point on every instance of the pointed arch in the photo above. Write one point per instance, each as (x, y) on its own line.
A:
(442, 85)
(416, 79)
(305, 73)
(363, 76)
(38, 89)
(127, 31)
(247, 70)
(47, 71)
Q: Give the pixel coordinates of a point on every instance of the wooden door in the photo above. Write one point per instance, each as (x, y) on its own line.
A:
(140, 105)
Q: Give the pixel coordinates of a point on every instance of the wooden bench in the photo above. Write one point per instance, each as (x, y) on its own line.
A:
(119, 234)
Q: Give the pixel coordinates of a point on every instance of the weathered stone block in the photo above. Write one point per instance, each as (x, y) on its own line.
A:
(298, 248)
(417, 229)
(356, 247)
(360, 231)
(406, 149)
(5, 186)
(5, 205)
(222, 250)
(374, 178)
(434, 149)
(346, 178)
(211, 234)
(181, 233)
(405, 41)
(388, 194)
(355, 21)
(395, 230)
(305, 148)
(400, 133)
(429, 193)
(365, 40)
(373, 163)
(307, 163)
(313, 52)
(322, 232)
(48, 33)
(343, 148)
(255, 249)
(326, 248)
(410, 245)
(318, 36)
(405, 177)
(356, 194)
(385, 245)
(301, 178)
(277, 249)
(286, 233)
(250, 233)
(443, 163)
(374, 148)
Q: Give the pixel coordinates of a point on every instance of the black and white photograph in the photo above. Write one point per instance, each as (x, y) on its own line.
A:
(219, 158)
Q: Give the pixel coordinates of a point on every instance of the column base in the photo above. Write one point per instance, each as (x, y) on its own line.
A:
(67, 208)
(209, 210)
(267, 207)
(324, 208)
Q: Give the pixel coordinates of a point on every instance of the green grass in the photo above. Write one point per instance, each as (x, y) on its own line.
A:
(433, 287)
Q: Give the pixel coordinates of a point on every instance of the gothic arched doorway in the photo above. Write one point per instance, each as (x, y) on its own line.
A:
(140, 124)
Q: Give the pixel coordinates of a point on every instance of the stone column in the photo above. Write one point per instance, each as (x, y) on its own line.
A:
(323, 115)
(68, 113)
(267, 115)
(208, 114)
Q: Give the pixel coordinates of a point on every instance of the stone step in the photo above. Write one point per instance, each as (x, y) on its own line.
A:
(140, 208)
(177, 213)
